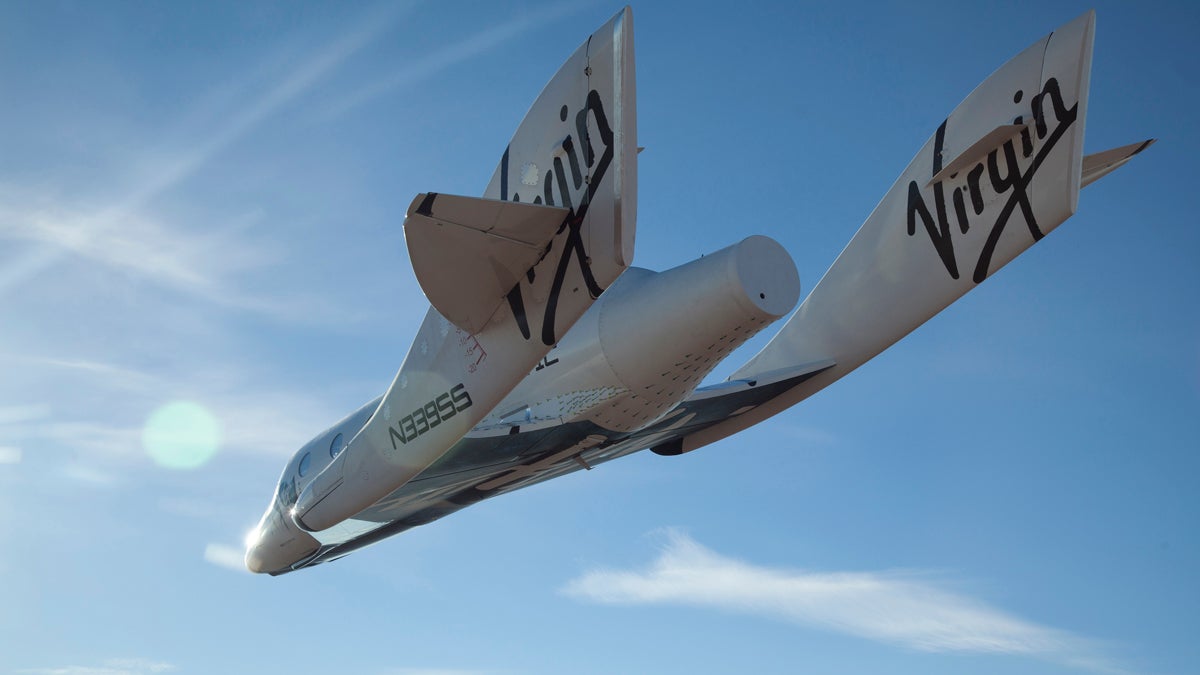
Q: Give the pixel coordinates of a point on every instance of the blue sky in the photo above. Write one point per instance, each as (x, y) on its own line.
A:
(202, 203)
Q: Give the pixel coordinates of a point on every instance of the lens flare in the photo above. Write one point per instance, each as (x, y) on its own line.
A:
(181, 435)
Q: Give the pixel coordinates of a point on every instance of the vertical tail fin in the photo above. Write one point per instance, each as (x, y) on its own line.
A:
(577, 148)
(1001, 171)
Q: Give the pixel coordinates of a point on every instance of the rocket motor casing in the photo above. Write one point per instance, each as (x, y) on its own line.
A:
(652, 337)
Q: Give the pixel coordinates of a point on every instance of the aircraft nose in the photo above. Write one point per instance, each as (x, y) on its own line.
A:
(255, 562)
(277, 545)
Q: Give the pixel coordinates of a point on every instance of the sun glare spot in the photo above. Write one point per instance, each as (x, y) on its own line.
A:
(181, 435)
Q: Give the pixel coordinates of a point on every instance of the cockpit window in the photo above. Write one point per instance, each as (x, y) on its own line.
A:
(287, 492)
(304, 462)
(335, 448)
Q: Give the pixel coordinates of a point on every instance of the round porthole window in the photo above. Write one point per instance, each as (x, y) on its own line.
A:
(304, 462)
(338, 444)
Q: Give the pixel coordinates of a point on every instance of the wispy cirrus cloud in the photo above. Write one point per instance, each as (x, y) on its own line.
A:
(22, 413)
(132, 666)
(257, 418)
(199, 264)
(118, 233)
(210, 264)
(120, 230)
(450, 55)
(902, 608)
(89, 475)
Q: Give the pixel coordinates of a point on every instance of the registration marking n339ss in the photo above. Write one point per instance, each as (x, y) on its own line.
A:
(430, 415)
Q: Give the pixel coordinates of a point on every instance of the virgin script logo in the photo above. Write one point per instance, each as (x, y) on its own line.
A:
(559, 182)
(1004, 174)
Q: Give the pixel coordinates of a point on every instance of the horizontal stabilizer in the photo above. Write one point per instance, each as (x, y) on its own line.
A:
(468, 253)
(762, 379)
(1100, 164)
(978, 151)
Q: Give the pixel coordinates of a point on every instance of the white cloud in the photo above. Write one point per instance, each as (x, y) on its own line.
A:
(895, 607)
(10, 455)
(133, 666)
(229, 557)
